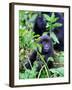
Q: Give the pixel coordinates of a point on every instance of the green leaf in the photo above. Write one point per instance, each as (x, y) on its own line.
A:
(53, 18)
(59, 57)
(47, 17)
(55, 39)
(42, 72)
(48, 25)
(57, 25)
(50, 59)
(39, 47)
(45, 33)
(57, 72)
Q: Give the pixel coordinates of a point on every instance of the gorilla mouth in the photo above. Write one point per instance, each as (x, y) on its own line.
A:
(46, 49)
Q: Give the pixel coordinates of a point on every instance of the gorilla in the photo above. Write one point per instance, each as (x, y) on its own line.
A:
(47, 51)
(39, 25)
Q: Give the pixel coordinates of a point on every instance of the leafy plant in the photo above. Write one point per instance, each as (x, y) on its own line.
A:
(28, 74)
(26, 38)
(28, 42)
(52, 24)
(57, 72)
(43, 72)
(59, 57)
(26, 19)
(45, 65)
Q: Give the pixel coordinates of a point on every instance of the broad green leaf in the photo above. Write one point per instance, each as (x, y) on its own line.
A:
(50, 59)
(53, 36)
(57, 25)
(47, 17)
(45, 33)
(58, 72)
(52, 16)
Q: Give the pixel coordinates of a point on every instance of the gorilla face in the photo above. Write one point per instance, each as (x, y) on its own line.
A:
(46, 44)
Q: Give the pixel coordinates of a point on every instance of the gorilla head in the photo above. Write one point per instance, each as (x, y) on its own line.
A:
(47, 47)
(39, 25)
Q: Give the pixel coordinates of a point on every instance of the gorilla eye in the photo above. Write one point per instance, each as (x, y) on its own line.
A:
(47, 41)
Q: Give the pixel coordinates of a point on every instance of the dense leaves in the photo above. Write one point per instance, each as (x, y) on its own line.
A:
(28, 42)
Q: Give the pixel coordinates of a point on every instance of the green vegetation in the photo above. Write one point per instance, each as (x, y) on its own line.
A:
(28, 42)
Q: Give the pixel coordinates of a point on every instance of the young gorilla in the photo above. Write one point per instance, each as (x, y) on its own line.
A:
(47, 51)
(39, 25)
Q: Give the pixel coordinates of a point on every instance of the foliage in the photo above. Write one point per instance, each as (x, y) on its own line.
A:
(45, 65)
(26, 39)
(43, 72)
(28, 74)
(52, 24)
(26, 19)
(28, 42)
(59, 57)
(57, 72)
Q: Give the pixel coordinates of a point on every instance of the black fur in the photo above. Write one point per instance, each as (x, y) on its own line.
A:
(39, 25)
